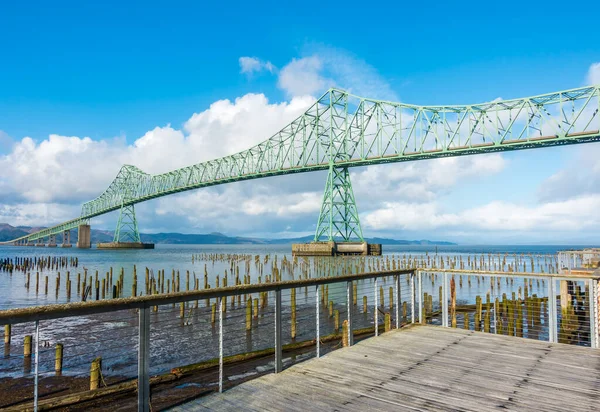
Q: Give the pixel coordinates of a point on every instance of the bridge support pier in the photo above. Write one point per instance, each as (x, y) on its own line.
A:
(127, 235)
(52, 241)
(84, 237)
(66, 239)
(40, 243)
(338, 221)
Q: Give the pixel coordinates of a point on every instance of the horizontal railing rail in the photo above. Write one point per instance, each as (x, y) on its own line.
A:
(48, 312)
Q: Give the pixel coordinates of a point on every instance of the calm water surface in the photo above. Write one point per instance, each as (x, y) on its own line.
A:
(179, 258)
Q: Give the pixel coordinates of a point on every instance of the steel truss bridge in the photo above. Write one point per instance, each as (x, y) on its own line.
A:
(341, 130)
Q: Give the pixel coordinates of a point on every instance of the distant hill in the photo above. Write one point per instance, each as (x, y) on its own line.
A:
(8, 232)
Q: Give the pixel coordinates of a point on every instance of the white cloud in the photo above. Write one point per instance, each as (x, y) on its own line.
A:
(593, 75)
(303, 77)
(423, 180)
(251, 65)
(327, 67)
(571, 215)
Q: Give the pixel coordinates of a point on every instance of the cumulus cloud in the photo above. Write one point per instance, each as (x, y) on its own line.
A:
(593, 75)
(424, 180)
(326, 67)
(304, 77)
(571, 215)
(250, 65)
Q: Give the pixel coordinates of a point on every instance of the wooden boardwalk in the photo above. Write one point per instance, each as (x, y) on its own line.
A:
(427, 368)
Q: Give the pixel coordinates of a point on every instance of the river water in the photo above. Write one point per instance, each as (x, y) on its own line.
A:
(179, 258)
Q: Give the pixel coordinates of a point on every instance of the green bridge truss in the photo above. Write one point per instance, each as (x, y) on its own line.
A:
(341, 130)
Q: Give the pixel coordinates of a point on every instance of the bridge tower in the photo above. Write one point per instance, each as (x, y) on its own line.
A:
(127, 228)
(339, 215)
(127, 235)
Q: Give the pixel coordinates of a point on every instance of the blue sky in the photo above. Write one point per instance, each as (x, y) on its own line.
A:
(114, 72)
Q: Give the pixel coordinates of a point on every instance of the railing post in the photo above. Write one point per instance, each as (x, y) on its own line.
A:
(552, 315)
(220, 305)
(37, 361)
(412, 297)
(398, 299)
(593, 304)
(349, 300)
(444, 302)
(278, 353)
(420, 290)
(318, 315)
(144, 360)
(376, 310)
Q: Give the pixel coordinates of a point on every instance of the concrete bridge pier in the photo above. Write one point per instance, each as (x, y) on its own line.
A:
(52, 241)
(84, 237)
(40, 243)
(67, 239)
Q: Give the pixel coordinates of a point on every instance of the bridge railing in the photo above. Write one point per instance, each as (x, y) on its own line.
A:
(161, 350)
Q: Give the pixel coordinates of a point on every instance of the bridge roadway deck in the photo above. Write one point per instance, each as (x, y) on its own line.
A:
(427, 368)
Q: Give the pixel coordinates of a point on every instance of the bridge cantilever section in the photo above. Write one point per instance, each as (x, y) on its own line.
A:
(341, 130)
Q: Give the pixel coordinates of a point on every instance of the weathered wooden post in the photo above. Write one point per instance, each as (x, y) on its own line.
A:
(387, 322)
(293, 316)
(7, 333)
(336, 320)
(249, 314)
(58, 359)
(27, 346)
(95, 371)
(364, 304)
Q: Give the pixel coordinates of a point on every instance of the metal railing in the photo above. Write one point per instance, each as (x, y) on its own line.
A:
(551, 307)
(333, 300)
(210, 330)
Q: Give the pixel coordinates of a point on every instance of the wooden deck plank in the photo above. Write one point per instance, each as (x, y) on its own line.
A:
(427, 368)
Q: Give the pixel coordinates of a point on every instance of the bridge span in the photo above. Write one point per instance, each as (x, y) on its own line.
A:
(340, 131)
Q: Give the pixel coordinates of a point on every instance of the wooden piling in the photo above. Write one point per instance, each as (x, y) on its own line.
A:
(7, 334)
(364, 304)
(58, 359)
(95, 371)
(387, 322)
(27, 346)
(345, 333)
(249, 314)
(336, 320)
(213, 314)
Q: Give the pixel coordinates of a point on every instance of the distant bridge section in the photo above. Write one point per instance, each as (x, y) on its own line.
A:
(341, 130)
